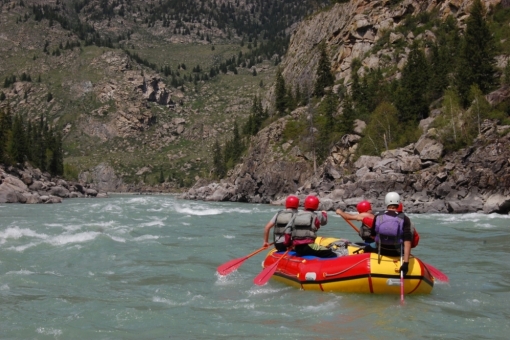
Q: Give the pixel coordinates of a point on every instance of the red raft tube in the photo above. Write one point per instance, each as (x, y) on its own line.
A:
(355, 272)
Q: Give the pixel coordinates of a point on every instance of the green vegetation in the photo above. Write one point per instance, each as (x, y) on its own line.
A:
(218, 58)
(22, 141)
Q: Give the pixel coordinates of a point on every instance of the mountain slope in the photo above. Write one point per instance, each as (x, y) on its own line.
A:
(143, 86)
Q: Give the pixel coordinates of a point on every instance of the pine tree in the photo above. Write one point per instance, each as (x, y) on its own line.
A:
(348, 116)
(237, 144)
(327, 109)
(476, 61)
(57, 155)
(324, 76)
(18, 146)
(411, 100)
(280, 94)
(218, 161)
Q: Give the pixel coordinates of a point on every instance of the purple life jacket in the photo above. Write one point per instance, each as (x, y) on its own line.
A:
(389, 229)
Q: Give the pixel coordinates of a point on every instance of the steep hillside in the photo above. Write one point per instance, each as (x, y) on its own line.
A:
(145, 87)
(431, 172)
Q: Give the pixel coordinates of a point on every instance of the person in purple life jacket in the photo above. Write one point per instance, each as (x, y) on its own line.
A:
(365, 216)
(392, 232)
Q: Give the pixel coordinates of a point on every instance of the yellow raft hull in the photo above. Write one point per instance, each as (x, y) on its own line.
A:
(357, 272)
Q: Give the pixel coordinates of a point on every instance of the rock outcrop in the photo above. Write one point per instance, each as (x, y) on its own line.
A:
(29, 185)
(475, 179)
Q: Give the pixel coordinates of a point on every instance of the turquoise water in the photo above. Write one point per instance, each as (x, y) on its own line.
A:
(144, 267)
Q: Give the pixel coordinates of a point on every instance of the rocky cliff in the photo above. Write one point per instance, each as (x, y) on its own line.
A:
(472, 179)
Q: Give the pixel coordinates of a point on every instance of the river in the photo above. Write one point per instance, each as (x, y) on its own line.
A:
(144, 267)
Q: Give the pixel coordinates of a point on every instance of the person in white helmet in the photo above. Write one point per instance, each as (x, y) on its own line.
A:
(392, 231)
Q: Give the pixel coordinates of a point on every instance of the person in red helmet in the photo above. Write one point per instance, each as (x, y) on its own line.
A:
(304, 230)
(282, 223)
(365, 215)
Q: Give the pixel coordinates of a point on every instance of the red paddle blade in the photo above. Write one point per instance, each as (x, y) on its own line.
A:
(437, 274)
(265, 274)
(231, 265)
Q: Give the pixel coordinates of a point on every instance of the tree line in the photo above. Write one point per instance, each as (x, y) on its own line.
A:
(36, 142)
(456, 74)
(226, 157)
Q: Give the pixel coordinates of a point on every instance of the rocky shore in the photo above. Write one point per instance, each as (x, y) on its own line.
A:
(25, 184)
(475, 179)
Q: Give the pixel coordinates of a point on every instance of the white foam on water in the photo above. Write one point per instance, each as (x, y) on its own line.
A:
(24, 247)
(53, 224)
(185, 223)
(17, 233)
(229, 236)
(146, 237)
(118, 239)
(474, 302)
(187, 238)
(265, 290)
(194, 212)
(75, 238)
(227, 280)
(53, 273)
(485, 225)
(142, 200)
(155, 210)
(155, 223)
(4, 287)
(328, 306)
(169, 302)
(109, 272)
(20, 272)
(49, 331)
(111, 208)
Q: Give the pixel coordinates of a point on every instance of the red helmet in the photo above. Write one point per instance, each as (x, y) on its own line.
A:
(292, 202)
(363, 206)
(311, 203)
(400, 207)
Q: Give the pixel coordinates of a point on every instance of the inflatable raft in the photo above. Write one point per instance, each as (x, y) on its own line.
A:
(355, 272)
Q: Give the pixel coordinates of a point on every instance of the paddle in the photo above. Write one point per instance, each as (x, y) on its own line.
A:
(436, 273)
(267, 272)
(440, 276)
(352, 225)
(232, 265)
(401, 274)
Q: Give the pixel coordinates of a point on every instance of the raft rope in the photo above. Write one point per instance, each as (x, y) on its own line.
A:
(343, 271)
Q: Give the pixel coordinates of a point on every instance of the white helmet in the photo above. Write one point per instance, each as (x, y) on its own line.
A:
(392, 198)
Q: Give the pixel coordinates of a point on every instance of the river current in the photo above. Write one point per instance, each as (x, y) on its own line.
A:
(144, 267)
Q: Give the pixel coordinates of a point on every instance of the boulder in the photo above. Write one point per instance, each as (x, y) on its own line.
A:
(90, 192)
(367, 161)
(410, 164)
(464, 206)
(59, 191)
(429, 148)
(219, 194)
(497, 203)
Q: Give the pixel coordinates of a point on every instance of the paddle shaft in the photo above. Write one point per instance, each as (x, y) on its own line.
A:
(232, 265)
(401, 274)
(351, 224)
(267, 272)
